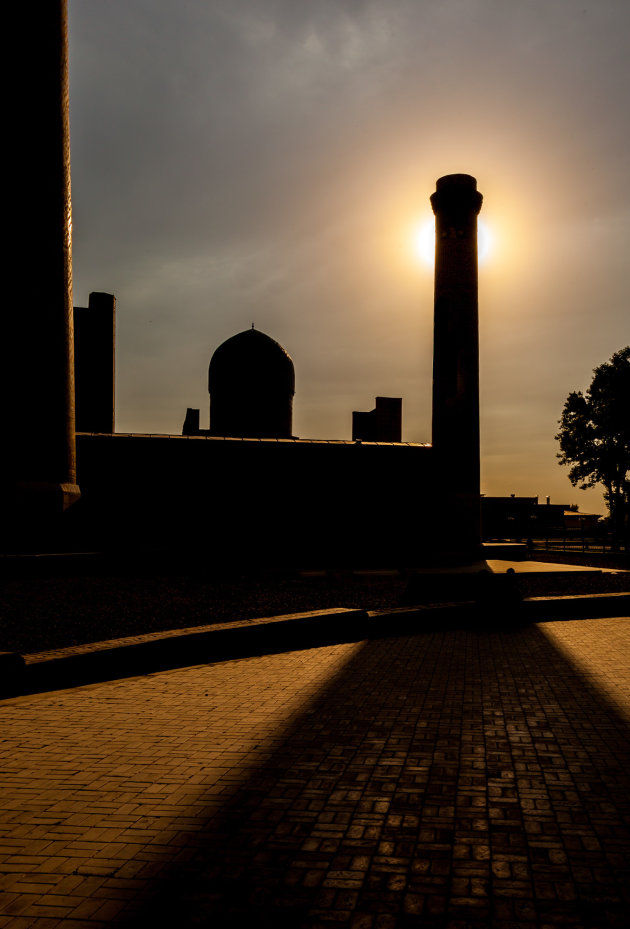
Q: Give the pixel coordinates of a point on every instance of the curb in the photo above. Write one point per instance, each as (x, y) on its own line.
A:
(578, 605)
(161, 651)
(12, 669)
(100, 661)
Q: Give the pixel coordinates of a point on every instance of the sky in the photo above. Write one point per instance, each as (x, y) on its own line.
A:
(271, 162)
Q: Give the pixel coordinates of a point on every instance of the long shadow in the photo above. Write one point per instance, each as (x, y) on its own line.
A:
(453, 779)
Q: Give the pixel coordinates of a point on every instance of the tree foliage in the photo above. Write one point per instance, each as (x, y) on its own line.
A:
(594, 436)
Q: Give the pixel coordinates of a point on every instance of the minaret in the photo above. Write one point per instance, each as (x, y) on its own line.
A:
(38, 467)
(456, 204)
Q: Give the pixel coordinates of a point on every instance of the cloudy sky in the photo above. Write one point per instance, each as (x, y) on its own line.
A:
(271, 161)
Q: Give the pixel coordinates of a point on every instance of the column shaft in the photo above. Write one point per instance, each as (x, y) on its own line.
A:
(456, 204)
(38, 395)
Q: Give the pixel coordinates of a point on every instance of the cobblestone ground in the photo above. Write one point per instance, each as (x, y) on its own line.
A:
(456, 779)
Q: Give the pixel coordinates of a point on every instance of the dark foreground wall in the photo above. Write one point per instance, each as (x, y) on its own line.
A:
(261, 501)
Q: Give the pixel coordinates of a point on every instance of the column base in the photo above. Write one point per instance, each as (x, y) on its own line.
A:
(34, 515)
(49, 497)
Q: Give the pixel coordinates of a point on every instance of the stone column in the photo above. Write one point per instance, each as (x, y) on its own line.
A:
(456, 204)
(38, 466)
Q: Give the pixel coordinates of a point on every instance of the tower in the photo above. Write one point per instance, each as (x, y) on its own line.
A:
(39, 465)
(456, 204)
(94, 363)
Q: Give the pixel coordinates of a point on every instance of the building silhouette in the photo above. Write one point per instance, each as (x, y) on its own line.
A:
(247, 492)
(251, 382)
(94, 364)
(246, 488)
(382, 424)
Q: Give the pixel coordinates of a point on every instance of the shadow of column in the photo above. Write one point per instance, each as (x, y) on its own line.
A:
(454, 779)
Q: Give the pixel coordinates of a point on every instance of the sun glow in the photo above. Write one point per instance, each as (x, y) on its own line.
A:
(424, 241)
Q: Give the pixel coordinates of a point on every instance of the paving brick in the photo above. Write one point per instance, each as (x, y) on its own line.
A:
(465, 778)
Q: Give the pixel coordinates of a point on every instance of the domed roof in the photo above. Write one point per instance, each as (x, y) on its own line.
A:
(252, 357)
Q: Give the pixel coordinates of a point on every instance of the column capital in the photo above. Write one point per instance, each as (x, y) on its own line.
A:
(456, 194)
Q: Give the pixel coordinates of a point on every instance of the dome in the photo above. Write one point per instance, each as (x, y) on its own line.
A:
(254, 358)
(251, 381)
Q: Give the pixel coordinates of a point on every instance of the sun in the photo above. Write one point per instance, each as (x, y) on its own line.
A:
(423, 240)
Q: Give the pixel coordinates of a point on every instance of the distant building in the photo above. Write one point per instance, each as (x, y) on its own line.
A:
(582, 523)
(382, 424)
(524, 517)
(507, 517)
(94, 364)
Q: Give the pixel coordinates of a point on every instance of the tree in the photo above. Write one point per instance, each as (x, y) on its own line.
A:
(594, 437)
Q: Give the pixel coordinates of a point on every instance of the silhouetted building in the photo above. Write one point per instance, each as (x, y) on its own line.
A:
(258, 502)
(382, 424)
(94, 364)
(251, 381)
(508, 517)
(254, 493)
(258, 494)
(191, 423)
(583, 523)
(525, 518)
(248, 488)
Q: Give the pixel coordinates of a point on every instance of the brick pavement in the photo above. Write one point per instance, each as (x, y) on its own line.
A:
(450, 779)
